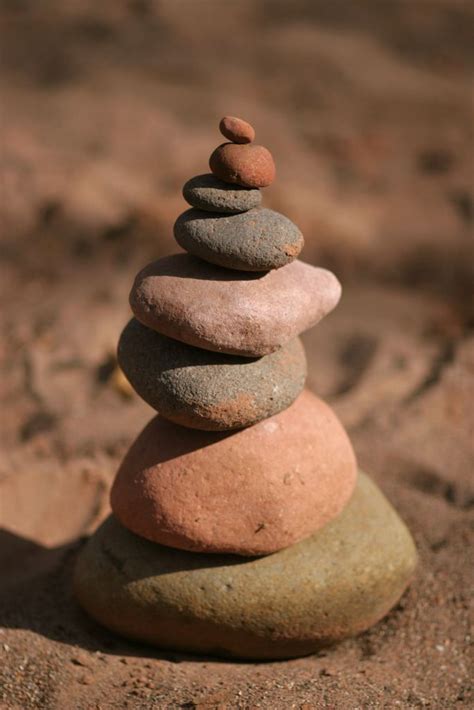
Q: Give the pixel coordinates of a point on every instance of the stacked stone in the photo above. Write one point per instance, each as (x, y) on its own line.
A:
(239, 526)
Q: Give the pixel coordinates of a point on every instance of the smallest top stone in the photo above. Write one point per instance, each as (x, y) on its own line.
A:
(236, 130)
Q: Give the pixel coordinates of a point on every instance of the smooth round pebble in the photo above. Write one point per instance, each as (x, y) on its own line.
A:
(249, 165)
(236, 129)
(257, 240)
(206, 390)
(207, 192)
(250, 492)
(335, 584)
(240, 313)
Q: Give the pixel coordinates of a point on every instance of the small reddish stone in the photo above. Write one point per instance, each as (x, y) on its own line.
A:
(236, 130)
(248, 165)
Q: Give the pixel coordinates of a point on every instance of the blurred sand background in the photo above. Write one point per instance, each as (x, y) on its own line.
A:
(107, 108)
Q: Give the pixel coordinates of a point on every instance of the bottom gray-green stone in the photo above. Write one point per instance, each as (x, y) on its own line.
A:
(334, 584)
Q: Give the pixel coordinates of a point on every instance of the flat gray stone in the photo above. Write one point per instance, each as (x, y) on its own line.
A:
(235, 312)
(334, 584)
(257, 240)
(206, 390)
(209, 193)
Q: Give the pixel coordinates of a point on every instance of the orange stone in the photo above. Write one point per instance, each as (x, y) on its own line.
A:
(248, 165)
(252, 492)
(236, 130)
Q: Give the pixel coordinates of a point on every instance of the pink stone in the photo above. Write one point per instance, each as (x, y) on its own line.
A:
(252, 492)
(249, 314)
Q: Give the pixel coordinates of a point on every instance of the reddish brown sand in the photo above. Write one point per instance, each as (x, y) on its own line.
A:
(105, 114)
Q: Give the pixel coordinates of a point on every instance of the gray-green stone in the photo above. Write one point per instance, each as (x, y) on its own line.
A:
(207, 390)
(209, 193)
(257, 240)
(334, 584)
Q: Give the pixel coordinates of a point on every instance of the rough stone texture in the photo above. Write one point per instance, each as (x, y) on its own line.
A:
(207, 192)
(336, 583)
(236, 129)
(225, 311)
(257, 240)
(96, 163)
(249, 165)
(205, 390)
(250, 492)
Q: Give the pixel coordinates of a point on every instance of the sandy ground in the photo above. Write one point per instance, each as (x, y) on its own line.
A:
(107, 108)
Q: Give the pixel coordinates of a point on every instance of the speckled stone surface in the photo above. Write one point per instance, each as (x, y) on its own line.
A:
(217, 309)
(206, 390)
(249, 165)
(253, 491)
(332, 585)
(257, 240)
(207, 192)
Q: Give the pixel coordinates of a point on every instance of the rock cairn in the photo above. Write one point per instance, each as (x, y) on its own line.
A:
(241, 461)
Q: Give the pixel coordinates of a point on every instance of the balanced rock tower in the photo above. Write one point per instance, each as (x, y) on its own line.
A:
(240, 525)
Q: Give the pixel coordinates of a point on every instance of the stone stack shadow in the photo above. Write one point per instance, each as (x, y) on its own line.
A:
(240, 526)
